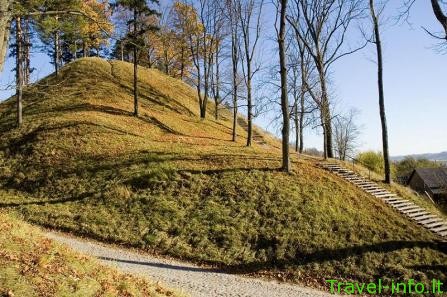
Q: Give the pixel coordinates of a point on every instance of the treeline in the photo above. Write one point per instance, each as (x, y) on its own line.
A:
(215, 46)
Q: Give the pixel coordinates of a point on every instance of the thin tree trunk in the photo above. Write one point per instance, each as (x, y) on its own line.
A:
(301, 124)
(75, 50)
(249, 107)
(135, 66)
(56, 52)
(26, 53)
(386, 156)
(166, 62)
(234, 61)
(122, 50)
(19, 71)
(84, 49)
(284, 99)
(217, 96)
(182, 64)
(297, 127)
(325, 112)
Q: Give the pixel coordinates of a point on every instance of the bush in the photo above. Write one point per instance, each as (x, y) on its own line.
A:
(372, 160)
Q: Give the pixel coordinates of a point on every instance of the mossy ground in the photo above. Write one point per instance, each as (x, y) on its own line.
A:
(33, 265)
(175, 184)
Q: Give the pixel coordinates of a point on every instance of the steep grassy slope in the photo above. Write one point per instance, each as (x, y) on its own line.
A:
(32, 265)
(175, 184)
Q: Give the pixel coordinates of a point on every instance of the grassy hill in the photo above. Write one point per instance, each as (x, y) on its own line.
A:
(33, 265)
(174, 184)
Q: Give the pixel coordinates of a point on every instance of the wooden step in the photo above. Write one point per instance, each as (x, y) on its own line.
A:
(386, 195)
(437, 226)
(424, 218)
(443, 233)
(429, 221)
(403, 204)
(395, 200)
(432, 224)
(377, 191)
(369, 186)
(407, 208)
(440, 228)
(416, 214)
(414, 210)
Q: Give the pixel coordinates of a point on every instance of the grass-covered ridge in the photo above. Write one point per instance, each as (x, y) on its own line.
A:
(175, 184)
(33, 265)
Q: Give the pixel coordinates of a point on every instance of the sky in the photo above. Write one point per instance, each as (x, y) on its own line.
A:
(415, 84)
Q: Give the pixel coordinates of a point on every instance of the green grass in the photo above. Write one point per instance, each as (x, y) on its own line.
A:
(174, 184)
(33, 265)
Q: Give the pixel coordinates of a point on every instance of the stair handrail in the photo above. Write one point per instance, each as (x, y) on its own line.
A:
(354, 160)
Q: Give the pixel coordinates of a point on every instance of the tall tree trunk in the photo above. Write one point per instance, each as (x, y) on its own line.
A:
(234, 62)
(19, 70)
(217, 95)
(166, 62)
(296, 117)
(284, 99)
(301, 124)
(56, 52)
(84, 49)
(26, 53)
(182, 63)
(325, 111)
(75, 50)
(386, 156)
(323, 125)
(122, 50)
(249, 106)
(135, 65)
(297, 133)
(5, 22)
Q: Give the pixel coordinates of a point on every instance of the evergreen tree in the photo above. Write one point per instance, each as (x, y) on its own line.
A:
(139, 26)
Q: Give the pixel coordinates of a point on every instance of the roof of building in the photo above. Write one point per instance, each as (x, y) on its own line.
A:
(434, 178)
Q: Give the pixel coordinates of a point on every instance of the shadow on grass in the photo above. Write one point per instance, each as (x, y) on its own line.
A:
(324, 255)
(161, 265)
(45, 202)
(430, 267)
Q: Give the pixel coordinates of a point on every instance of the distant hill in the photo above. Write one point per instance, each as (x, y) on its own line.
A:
(430, 156)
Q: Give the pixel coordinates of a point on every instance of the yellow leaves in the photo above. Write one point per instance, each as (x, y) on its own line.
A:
(96, 30)
(186, 20)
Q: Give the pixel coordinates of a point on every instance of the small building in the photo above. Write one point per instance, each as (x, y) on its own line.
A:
(432, 181)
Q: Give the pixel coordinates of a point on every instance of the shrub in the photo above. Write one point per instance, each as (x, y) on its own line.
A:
(372, 160)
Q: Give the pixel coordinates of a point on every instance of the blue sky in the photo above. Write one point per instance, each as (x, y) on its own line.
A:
(415, 82)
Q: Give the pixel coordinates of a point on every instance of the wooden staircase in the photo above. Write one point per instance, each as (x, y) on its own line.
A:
(416, 213)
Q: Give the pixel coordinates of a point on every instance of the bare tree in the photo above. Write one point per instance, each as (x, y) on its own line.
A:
(346, 133)
(322, 25)
(281, 36)
(377, 41)
(219, 33)
(249, 18)
(232, 13)
(301, 78)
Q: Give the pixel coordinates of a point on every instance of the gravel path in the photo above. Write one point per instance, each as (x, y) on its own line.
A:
(193, 280)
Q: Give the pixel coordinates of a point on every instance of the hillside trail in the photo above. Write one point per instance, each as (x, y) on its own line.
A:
(187, 278)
